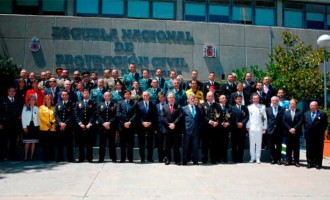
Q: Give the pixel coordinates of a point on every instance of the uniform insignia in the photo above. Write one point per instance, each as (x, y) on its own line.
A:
(80, 105)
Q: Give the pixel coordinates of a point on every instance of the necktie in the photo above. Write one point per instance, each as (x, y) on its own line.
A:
(107, 104)
(53, 93)
(146, 106)
(12, 100)
(85, 103)
(313, 115)
(275, 111)
(127, 105)
(292, 114)
(239, 107)
(193, 113)
(265, 89)
(171, 108)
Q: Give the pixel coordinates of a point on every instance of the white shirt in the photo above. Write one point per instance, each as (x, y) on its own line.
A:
(257, 112)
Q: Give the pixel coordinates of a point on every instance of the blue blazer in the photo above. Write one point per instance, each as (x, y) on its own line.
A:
(49, 91)
(316, 127)
(191, 124)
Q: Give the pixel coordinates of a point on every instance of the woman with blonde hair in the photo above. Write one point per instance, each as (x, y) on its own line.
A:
(47, 128)
(30, 124)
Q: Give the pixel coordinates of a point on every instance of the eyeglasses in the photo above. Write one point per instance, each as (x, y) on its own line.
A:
(52, 81)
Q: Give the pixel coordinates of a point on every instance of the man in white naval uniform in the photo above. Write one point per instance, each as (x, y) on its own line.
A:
(256, 126)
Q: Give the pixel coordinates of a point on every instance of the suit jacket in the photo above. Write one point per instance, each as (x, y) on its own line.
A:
(107, 114)
(154, 95)
(55, 95)
(180, 96)
(85, 114)
(128, 80)
(64, 114)
(316, 127)
(161, 82)
(168, 85)
(125, 115)
(262, 97)
(227, 90)
(239, 116)
(269, 95)
(145, 84)
(206, 87)
(225, 116)
(147, 115)
(10, 113)
(249, 88)
(161, 127)
(27, 116)
(168, 117)
(72, 97)
(275, 124)
(191, 124)
(211, 112)
(296, 123)
(235, 94)
(117, 96)
(96, 95)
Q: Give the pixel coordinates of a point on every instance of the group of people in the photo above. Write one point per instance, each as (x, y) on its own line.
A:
(169, 115)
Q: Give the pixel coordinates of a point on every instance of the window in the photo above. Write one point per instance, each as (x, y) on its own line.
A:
(242, 11)
(219, 13)
(53, 6)
(195, 11)
(87, 7)
(265, 13)
(29, 7)
(163, 10)
(315, 16)
(138, 9)
(27, 2)
(6, 6)
(328, 18)
(293, 15)
(113, 7)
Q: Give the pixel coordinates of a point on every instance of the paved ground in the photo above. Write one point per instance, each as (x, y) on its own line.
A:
(93, 181)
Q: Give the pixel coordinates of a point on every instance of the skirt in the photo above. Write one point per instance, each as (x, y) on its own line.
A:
(32, 136)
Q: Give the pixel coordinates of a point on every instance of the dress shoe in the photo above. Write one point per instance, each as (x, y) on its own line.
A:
(273, 162)
(90, 161)
(150, 160)
(279, 162)
(318, 167)
(122, 161)
(177, 163)
(143, 161)
(309, 166)
(130, 161)
(297, 165)
(101, 161)
(184, 163)
(114, 161)
(167, 162)
(196, 163)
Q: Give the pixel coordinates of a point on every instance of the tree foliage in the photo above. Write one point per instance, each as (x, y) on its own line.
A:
(294, 67)
(256, 72)
(8, 72)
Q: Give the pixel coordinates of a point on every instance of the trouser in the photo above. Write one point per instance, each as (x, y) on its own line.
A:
(255, 138)
(173, 140)
(292, 146)
(84, 140)
(209, 144)
(126, 144)
(223, 145)
(108, 136)
(161, 146)
(314, 149)
(8, 143)
(190, 140)
(64, 139)
(275, 145)
(47, 140)
(237, 144)
(142, 135)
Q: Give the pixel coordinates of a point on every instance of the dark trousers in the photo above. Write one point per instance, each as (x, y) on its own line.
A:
(237, 144)
(47, 140)
(314, 149)
(275, 145)
(160, 141)
(173, 140)
(142, 135)
(208, 143)
(292, 146)
(223, 145)
(8, 143)
(108, 136)
(84, 139)
(190, 146)
(126, 144)
(64, 139)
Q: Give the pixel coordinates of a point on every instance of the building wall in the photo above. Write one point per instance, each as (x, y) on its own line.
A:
(236, 45)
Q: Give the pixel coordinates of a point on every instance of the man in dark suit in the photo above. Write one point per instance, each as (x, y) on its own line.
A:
(85, 119)
(225, 114)
(209, 83)
(160, 79)
(64, 113)
(24, 75)
(315, 124)
(148, 125)
(106, 112)
(249, 85)
(160, 141)
(275, 130)
(52, 90)
(262, 95)
(168, 85)
(268, 90)
(212, 121)
(72, 95)
(194, 76)
(127, 118)
(192, 115)
(228, 88)
(239, 118)
(240, 92)
(171, 117)
(145, 81)
(10, 114)
(130, 77)
(292, 121)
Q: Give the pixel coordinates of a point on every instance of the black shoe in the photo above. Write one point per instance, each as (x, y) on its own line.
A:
(297, 165)
(318, 167)
(177, 163)
(150, 160)
(130, 161)
(273, 162)
(279, 162)
(114, 161)
(143, 161)
(90, 161)
(167, 162)
(101, 161)
(184, 163)
(309, 166)
(196, 163)
(122, 161)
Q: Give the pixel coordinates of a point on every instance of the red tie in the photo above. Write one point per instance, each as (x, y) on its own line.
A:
(171, 108)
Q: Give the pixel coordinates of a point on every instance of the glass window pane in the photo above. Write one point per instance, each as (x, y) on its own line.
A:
(113, 7)
(315, 20)
(293, 18)
(87, 7)
(27, 2)
(54, 5)
(6, 6)
(328, 22)
(219, 13)
(265, 16)
(163, 10)
(195, 12)
(242, 15)
(138, 9)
